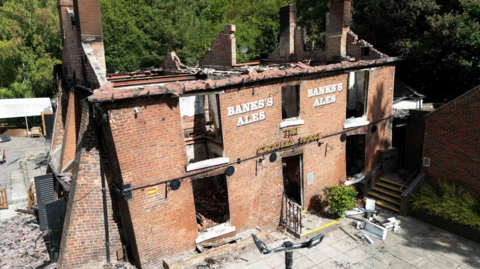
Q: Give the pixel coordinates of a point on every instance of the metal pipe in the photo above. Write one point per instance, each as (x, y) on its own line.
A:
(246, 159)
(104, 195)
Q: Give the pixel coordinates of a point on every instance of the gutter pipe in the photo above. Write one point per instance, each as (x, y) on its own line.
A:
(104, 190)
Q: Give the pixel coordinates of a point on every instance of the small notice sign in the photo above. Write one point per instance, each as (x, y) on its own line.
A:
(151, 191)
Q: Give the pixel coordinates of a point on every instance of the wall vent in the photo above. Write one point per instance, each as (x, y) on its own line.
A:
(426, 162)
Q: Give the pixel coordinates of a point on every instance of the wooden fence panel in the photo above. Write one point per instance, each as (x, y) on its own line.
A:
(3, 199)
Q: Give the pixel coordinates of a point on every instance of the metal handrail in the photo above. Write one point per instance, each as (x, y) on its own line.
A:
(408, 180)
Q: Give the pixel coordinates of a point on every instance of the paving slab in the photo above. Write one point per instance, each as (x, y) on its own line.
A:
(415, 245)
(303, 262)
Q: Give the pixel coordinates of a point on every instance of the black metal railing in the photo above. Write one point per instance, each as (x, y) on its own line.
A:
(292, 215)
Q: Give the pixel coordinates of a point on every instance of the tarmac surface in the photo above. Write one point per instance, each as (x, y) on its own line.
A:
(415, 245)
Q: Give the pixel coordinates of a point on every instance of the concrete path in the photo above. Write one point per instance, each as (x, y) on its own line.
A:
(415, 245)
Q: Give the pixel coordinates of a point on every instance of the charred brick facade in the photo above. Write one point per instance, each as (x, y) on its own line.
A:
(158, 134)
(451, 143)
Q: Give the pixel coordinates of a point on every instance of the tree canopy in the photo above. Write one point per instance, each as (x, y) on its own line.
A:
(440, 39)
(30, 45)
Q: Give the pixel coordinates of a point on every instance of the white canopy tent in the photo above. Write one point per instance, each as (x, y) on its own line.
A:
(25, 107)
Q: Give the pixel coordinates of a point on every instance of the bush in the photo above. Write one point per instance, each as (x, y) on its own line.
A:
(450, 202)
(340, 198)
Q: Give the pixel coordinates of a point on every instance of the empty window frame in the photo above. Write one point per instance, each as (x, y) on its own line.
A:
(357, 95)
(202, 127)
(355, 155)
(291, 102)
(211, 202)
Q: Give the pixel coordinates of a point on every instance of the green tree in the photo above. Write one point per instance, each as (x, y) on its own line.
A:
(29, 48)
(439, 39)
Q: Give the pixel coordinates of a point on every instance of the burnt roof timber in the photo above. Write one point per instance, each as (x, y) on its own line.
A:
(178, 88)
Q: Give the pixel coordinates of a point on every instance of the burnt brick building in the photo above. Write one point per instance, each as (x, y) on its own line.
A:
(451, 147)
(188, 155)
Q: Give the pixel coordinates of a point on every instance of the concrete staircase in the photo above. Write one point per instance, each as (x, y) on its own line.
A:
(387, 194)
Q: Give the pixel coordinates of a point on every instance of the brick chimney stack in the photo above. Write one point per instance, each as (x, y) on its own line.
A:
(88, 20)
(62, 6)
(338, 25)
(288, 18)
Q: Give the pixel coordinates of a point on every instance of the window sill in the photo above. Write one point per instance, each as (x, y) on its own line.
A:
(284, 124)
(355, 122)
(213, 232)
(207, 163)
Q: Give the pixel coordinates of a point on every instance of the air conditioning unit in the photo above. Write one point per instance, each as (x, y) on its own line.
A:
(426, 162)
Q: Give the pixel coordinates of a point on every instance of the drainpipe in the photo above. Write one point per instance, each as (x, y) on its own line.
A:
(104, 190)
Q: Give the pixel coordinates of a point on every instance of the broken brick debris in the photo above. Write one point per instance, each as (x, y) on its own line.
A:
(211, 207)
(23, 244)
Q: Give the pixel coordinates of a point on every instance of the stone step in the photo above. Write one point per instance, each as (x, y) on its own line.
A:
(387, 206)
(392, 182)
(384, 198)
(390, 188)
(386, 192)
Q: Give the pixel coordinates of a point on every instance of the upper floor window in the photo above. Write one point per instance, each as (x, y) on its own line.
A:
(291, 106)
(290, 102)
(357, 99)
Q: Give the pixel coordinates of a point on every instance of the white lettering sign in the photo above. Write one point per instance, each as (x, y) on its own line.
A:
(251, 106)
(325, 90)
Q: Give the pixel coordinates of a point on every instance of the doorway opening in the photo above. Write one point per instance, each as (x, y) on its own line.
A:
(293, 178)
(211, 202)
(355, 155)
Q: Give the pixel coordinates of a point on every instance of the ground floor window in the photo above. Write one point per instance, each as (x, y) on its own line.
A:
(211, 201)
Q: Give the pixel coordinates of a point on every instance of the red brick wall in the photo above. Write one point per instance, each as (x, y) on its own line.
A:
(87, 14)
(76, 67)
(70, 134)
(223, 51)
(149, 147)
(59, 120)
(83, 239)
(451, 141)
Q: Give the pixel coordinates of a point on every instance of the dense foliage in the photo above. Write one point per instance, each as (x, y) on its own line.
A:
(30, 45)
(440, 39)
(449, 202)
(339, 198)
(139, 33)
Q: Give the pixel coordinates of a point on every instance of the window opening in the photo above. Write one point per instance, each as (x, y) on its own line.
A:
(366, 51)
(290, 102)
(201, 127)
(292, 178)
(357, 99)
(211, 202)
(355, 154)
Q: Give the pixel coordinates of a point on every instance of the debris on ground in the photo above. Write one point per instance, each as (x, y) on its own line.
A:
(211, 207)
(120, 265)
(356, 211)
(22, 243)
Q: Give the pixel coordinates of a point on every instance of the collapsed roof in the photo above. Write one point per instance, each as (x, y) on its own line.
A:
(219, 68)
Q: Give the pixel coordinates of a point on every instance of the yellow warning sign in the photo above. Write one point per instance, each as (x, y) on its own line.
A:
(151, 191)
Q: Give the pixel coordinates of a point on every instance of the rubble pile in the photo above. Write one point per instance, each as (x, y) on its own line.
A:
(120, 265)
(22, 244)
(211, 207)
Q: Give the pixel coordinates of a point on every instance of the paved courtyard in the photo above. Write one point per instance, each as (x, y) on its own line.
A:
(26, 158)
(416, 245)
